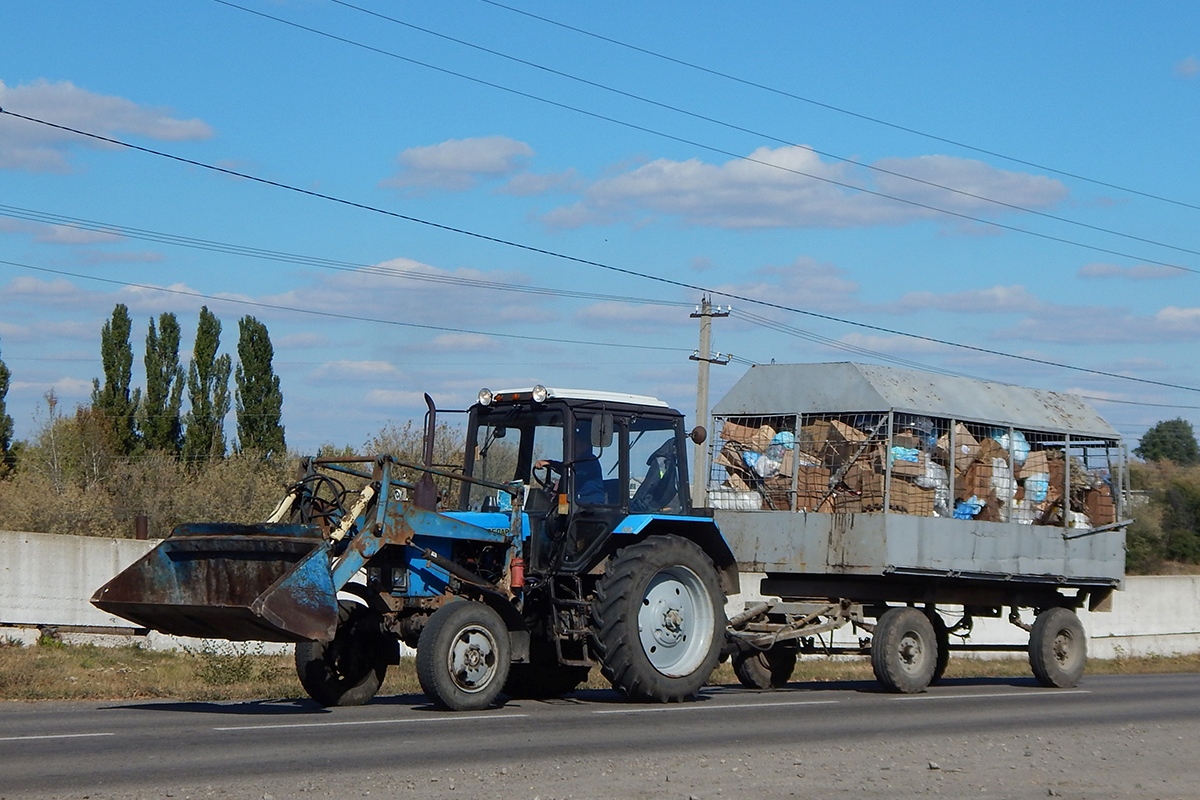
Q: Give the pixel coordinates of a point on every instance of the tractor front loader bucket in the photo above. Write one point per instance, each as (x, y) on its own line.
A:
(267, 582)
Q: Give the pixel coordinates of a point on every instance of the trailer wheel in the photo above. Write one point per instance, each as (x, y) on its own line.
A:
(904, 650)
(765, 669)
(463, 656)
(941, 633)
(348, 670)
(1057, 648)
(658, 617)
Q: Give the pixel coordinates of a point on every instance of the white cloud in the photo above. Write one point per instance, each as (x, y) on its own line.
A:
(625, 317)
(1138, 272)
(805, 283)
(1188, 67)
(991, 300)
(354, 370)
(405, 290)
(1070, 324)
(792, 187)
(530, 183)
(458, 164)
(37, 148)
(63, 387)
(461, 342)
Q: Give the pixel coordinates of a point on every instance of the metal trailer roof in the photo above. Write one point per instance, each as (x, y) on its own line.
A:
(832, 388)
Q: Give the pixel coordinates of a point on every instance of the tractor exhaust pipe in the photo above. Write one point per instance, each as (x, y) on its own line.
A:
(425, 493)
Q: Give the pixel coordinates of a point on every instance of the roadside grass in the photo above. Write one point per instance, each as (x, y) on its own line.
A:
(52, 670)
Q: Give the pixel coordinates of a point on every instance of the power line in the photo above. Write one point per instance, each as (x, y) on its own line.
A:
(588, 262)
(729, 153)
(767, 136)
(48, 218)
(336, 315)
(841, 110)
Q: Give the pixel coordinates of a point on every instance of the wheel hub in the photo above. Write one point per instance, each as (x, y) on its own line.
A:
(910, 652)
(473, 659)
(674, 621)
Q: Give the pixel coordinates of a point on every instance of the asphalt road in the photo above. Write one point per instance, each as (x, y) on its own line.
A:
(1113, 736)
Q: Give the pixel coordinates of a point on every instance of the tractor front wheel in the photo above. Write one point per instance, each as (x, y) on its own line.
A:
(463, 656)
(348, 670)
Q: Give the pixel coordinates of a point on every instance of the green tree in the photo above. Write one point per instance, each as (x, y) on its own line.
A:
(208, 393)
(259, 399)
(160, 423)
(1170, 440)
(114, 399)
(7, 455)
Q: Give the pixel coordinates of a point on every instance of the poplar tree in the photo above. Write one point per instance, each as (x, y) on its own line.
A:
(161, 425)
(113, 399)
(7, 457)
(208, 393)
(259, 399)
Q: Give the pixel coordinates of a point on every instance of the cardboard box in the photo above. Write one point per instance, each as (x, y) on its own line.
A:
(1099, 505)
(910, 469)
(977, 481)
(812, 486)
(831, 441)
(908, 498)
(1036, 462)
(966, 448)
(756, 438)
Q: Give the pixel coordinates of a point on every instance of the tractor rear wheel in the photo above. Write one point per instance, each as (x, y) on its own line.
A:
(463, 656)
(348, 670)
(658, 617)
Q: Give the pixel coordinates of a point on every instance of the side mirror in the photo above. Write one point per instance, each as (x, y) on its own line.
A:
(602, 430)
(698, 435)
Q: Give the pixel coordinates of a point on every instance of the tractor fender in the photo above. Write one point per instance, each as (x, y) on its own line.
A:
(701, 530)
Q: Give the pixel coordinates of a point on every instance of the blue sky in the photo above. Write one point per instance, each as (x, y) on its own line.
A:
(1019, 178)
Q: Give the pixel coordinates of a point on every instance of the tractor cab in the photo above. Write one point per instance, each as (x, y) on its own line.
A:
(590, 459)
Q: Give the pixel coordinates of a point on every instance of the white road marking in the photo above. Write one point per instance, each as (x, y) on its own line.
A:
(707, 707)
(52, 736)
(455, 718)
(1021, 695)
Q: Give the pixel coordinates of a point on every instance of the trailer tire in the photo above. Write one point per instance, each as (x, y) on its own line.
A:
(904, 650)
(765, 669)
(348, 670)
(941, 633)
(658, 617)
(1057, 648)
(463, 656)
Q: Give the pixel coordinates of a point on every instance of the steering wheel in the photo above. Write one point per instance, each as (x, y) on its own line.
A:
(543, 480)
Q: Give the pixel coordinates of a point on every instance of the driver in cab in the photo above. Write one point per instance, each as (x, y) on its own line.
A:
(589, 475)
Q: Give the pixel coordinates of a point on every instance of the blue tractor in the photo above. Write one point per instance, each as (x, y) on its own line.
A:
(565, 540)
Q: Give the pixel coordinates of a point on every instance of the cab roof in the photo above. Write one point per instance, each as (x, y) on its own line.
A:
(590, 395)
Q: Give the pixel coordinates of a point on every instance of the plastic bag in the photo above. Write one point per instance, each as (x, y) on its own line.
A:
(969, 508)
(1018, 447)
(1037, 486)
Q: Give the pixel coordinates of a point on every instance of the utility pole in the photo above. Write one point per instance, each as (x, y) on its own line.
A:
(705, 313)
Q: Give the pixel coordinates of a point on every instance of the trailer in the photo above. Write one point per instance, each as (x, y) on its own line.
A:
(565, 540)
(905, 505)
